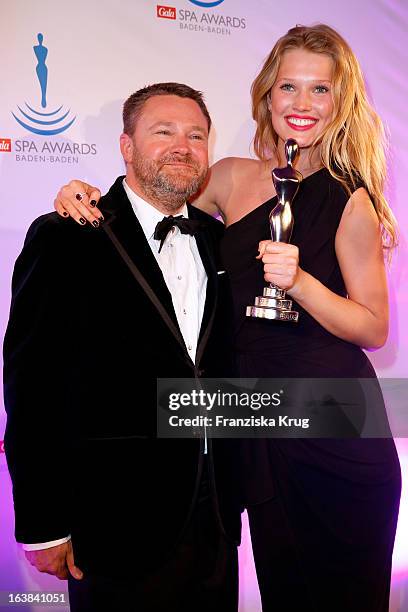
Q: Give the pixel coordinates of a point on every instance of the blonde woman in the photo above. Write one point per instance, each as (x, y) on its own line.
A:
(322, 512)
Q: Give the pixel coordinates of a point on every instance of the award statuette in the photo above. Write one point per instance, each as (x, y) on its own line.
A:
(273, 305)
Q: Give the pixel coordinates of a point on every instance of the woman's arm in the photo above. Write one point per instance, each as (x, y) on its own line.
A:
(362, 318)
(79, 200)
(206, 199)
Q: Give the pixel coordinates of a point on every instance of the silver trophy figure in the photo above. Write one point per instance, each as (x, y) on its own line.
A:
(273, 305)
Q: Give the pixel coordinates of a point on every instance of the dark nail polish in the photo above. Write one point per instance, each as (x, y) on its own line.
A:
(82, 221)
(65, 214)
(95, 223)
(101, 218)
(93, 203)
(78, 197)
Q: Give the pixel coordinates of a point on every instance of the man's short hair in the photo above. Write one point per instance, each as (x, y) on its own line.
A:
(134, 104)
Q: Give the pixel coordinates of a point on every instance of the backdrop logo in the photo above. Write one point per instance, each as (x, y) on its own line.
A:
(206, 4)
(5, 145)
(166, 12)
(43, 123)
(193, 19)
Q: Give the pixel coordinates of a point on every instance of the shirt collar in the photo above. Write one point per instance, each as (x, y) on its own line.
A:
(147, 215)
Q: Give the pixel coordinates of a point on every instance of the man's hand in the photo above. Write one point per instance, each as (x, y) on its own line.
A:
(57, 560)
(79, 201)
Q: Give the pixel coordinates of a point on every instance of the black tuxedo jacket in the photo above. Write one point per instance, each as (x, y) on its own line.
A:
(83, 349)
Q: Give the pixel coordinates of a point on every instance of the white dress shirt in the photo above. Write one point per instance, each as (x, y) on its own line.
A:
(184, 275)
(181, 266)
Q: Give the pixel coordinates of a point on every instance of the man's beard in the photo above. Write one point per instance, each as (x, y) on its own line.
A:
(169, 190)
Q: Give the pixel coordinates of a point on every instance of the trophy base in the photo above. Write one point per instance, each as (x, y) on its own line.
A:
(273, 306)
(273, 314)
(268, 302)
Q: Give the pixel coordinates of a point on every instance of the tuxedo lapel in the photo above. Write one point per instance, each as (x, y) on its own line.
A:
(126, 233)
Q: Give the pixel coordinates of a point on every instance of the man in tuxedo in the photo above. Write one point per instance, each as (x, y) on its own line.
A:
(134, 522)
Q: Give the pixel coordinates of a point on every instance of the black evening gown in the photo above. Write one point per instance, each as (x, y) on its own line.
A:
(322, 512)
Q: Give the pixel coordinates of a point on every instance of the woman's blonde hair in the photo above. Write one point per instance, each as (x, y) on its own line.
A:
(353, 144)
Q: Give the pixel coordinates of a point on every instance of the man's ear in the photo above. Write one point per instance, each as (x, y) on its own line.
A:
(126, 147)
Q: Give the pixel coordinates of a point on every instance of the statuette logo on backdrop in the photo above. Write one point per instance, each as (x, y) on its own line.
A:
(44, 122)
(52, 122)
(206, 4)
(208, 21)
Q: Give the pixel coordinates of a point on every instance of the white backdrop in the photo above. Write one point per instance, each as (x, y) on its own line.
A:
(99, 52)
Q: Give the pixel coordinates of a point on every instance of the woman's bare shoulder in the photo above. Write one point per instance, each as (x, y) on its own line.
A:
(226, 178)
(236, 164)
(359, 227)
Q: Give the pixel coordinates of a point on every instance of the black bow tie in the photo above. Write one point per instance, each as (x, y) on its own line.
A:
(186, 226)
